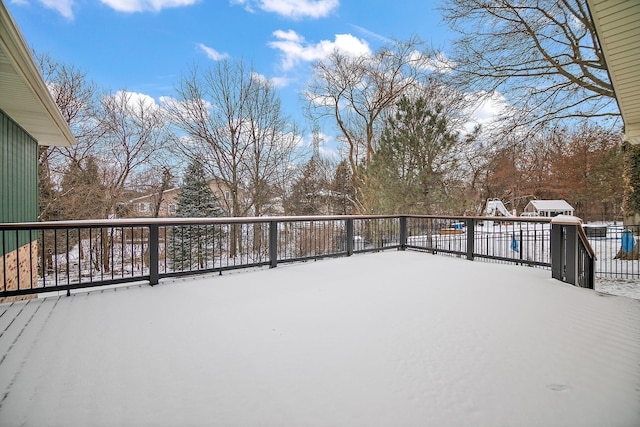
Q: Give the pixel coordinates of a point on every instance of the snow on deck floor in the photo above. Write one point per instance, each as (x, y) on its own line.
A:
(388, 339)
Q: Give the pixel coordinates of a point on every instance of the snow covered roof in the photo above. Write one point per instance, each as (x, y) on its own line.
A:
(394, 338)
(551, 205)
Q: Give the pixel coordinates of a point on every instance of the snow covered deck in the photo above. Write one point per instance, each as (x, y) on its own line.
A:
(394, 338)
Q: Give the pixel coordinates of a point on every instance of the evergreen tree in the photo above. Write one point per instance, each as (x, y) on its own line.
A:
(343, 192)
(309, 193)
(413, 167)
(193, 245)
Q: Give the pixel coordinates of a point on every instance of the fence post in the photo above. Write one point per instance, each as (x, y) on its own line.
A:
(273, 244)
(557, 251)
(349, 226)
(521, 248)
(154, 260)
(572, 257)
(403, 233)
(590, 273)
(563, 251)
(470, 238)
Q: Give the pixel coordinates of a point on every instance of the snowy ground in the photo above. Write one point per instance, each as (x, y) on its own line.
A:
(394, 338)
(622, 287)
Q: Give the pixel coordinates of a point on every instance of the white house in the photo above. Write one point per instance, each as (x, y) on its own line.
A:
(547, 208)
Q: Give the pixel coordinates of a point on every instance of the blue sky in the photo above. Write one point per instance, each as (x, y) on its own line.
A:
(144, 46)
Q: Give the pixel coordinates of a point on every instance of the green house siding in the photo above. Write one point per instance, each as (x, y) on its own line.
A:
(18, 180)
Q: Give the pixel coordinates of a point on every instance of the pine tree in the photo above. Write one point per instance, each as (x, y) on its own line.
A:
(416, 157)
(309, 192)
(192, 246)
(343, 192)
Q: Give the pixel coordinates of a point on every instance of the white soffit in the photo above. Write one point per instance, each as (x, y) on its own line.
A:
(618, 25)
(23, 93)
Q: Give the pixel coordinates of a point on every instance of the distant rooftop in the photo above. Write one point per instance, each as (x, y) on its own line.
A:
(393, 338)
(559, 205)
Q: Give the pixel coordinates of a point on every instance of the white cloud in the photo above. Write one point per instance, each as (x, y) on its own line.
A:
(295, 9)
(259, 77)
(167, 100)
(143, 5)
(489, 107)
(439, 62)
(184, 107)
(290, 35)
(332, 153)
(487, 110)
(351, 45)
(295, 49)
(64, 7)
(212, 53)
(279, 81)
(275, 81)
(134, 101)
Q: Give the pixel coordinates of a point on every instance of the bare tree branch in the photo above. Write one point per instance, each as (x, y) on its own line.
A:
(542, 54)
(356, 91)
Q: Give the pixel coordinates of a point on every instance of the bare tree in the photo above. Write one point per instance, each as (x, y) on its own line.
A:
(543, 54)
(356, 91)
(122, 133)
(82, 190)
(154, 181)
(577, 164)
(273, 140)
(75, 96)
(133, 138)
(545, 57)
(232, 120)
(159, 186)
(72, 90)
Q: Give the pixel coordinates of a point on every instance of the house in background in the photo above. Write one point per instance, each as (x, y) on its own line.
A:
(166, 203)
(29, 118)
(547, 208)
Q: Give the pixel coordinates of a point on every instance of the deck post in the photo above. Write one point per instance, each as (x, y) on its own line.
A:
(403, 233)
(572, 258)
(349, 227)
(154, 242)
(470, 238)
(273, 244)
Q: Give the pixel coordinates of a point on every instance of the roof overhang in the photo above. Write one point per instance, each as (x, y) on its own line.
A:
(23, 93)
(617, 23)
